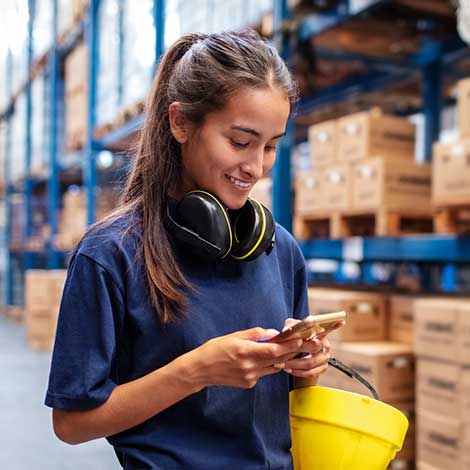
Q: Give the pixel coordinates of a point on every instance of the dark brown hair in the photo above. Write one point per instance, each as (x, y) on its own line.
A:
(200, 72)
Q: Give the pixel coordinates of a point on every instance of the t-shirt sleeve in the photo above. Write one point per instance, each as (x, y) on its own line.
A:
(301, 309)
(82, 374)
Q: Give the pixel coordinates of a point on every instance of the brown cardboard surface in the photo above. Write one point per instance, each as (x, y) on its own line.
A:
(407, 452)
(463, 107)
(388, 366)
(442, 329)
(366, 313)
(451, 173)
(401, 319)
(76, 69)
(262, 192)
(43, 288)
(442, 443)
(309, 192)
(443, 387)
(369, 133)
(337, 189)
(323, 142)
(378, 182)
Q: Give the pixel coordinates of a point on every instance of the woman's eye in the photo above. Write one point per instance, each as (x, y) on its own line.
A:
(239, 145)
(270, 148)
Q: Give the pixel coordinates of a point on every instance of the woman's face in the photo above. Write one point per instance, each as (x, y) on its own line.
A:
(234, 147)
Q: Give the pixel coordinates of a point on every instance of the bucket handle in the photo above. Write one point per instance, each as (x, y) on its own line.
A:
(353, 375)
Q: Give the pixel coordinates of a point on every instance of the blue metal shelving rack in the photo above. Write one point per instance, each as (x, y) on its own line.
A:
(431, 62)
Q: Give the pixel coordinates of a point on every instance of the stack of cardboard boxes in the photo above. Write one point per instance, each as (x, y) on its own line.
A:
(451, 166)
(73, 216)
(43, 291)
(443, 383)
(363, 162)
(76, 93)
(363, 345)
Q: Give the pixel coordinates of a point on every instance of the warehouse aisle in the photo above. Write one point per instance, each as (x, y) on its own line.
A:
(27, 438)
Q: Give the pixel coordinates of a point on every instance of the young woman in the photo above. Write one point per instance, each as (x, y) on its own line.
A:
(161, 346)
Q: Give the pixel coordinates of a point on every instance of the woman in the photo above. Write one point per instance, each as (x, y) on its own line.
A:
(159, 349)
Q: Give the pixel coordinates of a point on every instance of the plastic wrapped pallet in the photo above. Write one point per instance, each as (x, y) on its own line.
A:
(64, 17)
(16, 30)
(39, 151)
(207, 16)
(17, 156)
(42, 27)
(139, 50)
(108, 97)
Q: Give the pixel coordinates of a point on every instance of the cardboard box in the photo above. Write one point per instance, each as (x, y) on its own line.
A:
(372, 133)
(401, 319)
(323, 142)
(42, 324)
(379, 182)
(262, 192)
(337, 188)
(443, 388)
(408, 451)
(76, 70)
(309, 192)
(387, 366)
(43, 288)
(451, 173)
(366, 313)
(443, 443)
(463, 107)
(443, 329)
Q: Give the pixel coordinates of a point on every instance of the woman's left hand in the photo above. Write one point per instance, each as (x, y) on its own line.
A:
(315, 362)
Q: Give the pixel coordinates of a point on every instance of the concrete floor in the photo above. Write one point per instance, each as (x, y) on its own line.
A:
(27, 440)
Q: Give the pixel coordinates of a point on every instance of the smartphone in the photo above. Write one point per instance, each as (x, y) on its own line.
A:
(310, 326)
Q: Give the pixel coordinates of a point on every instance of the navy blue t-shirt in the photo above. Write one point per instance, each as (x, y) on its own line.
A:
(109, 334)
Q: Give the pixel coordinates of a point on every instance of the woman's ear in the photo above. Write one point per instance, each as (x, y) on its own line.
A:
(178, 123)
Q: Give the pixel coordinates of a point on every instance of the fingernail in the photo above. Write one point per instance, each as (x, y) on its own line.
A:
(288, 370)
(279, 365)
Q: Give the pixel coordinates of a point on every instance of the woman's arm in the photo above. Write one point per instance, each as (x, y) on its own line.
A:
(236, 360)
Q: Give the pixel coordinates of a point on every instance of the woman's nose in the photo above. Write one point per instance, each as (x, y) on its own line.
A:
(254, 167)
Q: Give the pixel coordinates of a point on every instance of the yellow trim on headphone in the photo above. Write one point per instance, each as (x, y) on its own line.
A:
(263, 230)
(223, 212)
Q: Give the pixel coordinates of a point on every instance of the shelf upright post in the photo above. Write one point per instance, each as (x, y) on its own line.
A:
(121, 59)
(89, 170)
(159, 24)
(28, 183)
(281, 172)
(53, 180)
(432, 95)
(8, 188)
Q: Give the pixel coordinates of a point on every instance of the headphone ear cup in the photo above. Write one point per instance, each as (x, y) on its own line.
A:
(199, 221)
(253, 229)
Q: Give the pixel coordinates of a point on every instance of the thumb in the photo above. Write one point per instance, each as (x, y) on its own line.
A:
(257, 334)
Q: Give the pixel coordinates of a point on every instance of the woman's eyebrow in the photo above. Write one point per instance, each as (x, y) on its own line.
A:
(253, 132)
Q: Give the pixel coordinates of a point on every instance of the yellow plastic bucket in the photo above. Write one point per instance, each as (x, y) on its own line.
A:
(338, 430)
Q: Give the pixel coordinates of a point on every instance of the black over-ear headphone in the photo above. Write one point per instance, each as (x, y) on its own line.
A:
(200, 222)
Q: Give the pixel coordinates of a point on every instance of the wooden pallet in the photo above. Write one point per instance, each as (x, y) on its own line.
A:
(130, 112)
(452, 219)
(13, 313)
(382, 222)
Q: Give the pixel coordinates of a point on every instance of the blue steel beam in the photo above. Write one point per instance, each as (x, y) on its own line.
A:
(425, 249)
(28, 185)
(281, 172)
(432, 99)
(320, 22)
(159, 24)
(53, 183)
(369, 82)
(8, 189)
(121, 59)
(89, 170)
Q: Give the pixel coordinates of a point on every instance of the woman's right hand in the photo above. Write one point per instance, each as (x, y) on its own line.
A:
(240, 359)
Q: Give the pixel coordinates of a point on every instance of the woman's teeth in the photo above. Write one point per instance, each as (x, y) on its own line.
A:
(238, 182)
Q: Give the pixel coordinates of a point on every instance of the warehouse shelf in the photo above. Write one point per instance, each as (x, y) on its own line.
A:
(429, 248)
(437, 58)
